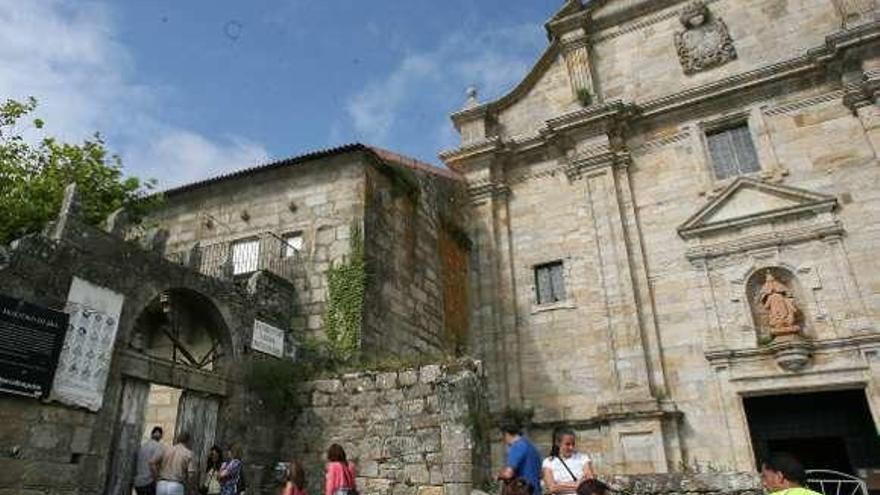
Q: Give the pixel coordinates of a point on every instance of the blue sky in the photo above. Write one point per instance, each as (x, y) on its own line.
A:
(185, 89)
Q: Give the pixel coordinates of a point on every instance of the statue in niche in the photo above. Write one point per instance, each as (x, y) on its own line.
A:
(705, 41)
(778, 302)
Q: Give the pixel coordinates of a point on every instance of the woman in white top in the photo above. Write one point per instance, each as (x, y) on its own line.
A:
(566, 467)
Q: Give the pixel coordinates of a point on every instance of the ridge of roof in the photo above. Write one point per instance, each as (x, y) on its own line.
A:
(384, 155)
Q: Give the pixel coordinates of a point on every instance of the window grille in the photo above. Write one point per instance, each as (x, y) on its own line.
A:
(732, 152)
(245, 256)
(550, 283)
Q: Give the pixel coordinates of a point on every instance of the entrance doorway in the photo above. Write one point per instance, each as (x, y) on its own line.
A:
(825, 430)
(172, 376)
(161, 411)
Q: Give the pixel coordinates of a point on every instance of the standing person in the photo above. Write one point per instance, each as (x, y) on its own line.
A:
(565, 468)
(211, 482)
(175, 468)
(294, 479)
(783, 474)
(340, 475)
(231, 472)
(523, 459)
(144, 481)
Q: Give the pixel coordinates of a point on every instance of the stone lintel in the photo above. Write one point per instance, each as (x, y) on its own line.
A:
(152, 370)
(761, 241)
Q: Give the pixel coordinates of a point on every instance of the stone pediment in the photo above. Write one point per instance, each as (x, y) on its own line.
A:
(749, 201)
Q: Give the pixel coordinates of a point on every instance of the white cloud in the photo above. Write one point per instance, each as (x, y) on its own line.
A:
(65, 54)
(494, 61)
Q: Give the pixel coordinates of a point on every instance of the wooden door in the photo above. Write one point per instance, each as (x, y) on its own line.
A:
(129, 430)
(197, 415)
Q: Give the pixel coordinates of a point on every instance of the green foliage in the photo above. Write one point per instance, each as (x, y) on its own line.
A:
(346, 286)
(33, 177)
(585, 97)
(277, 383)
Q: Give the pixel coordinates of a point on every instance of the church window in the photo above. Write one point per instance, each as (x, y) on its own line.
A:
(732, 151)
(549, 283)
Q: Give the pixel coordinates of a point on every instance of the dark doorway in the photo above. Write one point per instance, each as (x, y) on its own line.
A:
(825, 430)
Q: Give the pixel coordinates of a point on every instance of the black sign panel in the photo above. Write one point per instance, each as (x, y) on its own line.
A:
(30, 341)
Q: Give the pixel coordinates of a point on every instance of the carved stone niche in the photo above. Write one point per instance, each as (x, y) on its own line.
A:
(705, 42)
(777, 305)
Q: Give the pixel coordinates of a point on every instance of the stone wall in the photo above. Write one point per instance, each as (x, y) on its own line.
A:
(689, 484)
(320, 199)
(48, 447)
(407, 213)
(410, 432)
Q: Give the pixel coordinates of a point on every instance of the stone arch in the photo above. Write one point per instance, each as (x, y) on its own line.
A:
(787, 277)
(183, 326)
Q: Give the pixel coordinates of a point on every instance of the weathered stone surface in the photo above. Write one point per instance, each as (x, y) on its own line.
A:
(649, 342)
(401, 445)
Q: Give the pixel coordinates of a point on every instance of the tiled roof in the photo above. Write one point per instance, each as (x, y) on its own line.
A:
(386, 156)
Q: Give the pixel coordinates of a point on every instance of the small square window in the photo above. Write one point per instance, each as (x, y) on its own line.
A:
(292, 245)
(732, 151)
(550, 283)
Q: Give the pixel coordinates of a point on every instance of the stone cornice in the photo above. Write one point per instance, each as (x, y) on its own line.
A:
(538, 70)
(471, 151)
(725, 356)
(615, 110)
(483, 190)
(769, 239)
(585, 166)
(812, 63)
(651, 409)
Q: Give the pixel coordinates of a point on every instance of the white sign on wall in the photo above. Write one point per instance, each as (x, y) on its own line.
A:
(268, 339)
(88, 345)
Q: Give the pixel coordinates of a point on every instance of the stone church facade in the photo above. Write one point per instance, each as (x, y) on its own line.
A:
(675, 234)
(665, 238)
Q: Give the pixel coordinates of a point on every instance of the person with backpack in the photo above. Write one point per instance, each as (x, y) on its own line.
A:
(565, 468)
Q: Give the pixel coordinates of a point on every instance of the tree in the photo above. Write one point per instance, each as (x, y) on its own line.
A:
(33, 177)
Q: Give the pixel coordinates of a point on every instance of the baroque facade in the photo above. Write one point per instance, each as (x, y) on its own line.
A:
(674, 226)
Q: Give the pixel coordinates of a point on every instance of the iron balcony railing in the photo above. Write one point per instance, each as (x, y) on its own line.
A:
(225, 260)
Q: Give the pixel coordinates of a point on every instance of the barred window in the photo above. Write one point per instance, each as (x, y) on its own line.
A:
(293, 244)
(549, 283)
(732, 151)
(245, 256)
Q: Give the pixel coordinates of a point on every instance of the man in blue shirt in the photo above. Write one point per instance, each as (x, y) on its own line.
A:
(523, 459)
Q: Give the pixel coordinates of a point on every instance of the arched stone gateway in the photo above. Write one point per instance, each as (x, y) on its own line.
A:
(176, 328)
(180, 341)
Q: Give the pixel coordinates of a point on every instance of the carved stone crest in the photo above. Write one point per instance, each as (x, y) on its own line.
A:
(705, 42)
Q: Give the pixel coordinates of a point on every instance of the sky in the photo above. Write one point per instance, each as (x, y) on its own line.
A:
(189, 89)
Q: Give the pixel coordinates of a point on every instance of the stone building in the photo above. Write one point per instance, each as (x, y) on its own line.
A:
(296, 218)
(674, 220)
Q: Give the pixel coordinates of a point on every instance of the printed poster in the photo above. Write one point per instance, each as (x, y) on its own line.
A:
(88, 346)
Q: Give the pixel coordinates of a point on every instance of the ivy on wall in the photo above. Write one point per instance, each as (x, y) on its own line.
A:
(346, 286)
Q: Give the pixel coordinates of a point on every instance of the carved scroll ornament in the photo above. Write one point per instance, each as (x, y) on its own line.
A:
(705, 42)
